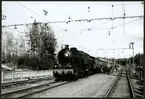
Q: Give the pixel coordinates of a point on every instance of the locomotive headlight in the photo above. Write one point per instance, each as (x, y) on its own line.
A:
(69, 65)
(55, 66)
(66, 54)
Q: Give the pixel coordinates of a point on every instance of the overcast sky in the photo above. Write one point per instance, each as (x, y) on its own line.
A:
(77, 34)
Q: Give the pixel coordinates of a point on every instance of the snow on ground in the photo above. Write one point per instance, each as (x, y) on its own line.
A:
(6, 67)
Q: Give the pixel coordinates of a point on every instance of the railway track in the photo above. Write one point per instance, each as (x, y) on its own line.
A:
(121, 87)
(23, 82)
(27, 92)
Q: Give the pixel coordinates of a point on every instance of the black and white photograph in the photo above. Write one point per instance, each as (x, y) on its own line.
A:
(72, 49)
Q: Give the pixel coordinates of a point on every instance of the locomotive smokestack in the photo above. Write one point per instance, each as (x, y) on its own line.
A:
(66, 46)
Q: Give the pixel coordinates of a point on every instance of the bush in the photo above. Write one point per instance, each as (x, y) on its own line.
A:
(33, 63)
(26, 62)
(48, 63)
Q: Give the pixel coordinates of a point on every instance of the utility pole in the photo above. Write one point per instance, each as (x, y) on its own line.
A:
(39, 49)
(131, 46)
(30, 39)
(3, 18)
(45, 14)
(113, 61)
(16, 54)
(129, 61)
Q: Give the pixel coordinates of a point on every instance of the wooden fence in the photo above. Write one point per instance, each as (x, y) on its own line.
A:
(7, 76)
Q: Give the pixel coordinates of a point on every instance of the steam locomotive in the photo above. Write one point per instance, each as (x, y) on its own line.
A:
(74, 64)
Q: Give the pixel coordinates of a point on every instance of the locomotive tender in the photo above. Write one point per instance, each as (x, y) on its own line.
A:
(74, 64)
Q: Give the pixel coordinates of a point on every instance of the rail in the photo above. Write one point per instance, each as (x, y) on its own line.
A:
(8, 76)
(28, 92)
(130, 85)
(111, 87)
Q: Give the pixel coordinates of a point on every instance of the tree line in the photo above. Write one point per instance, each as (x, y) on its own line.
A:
(138, 60)
(34, 50)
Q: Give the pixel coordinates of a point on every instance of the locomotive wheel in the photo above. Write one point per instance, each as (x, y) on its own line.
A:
(86, 73)
(70, 77)
(75, 78)
(57, 79)
(63, 78)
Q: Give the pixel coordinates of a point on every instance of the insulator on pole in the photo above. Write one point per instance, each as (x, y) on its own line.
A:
(109, 33)
(15, 27)
(69, 17)
(88, 9)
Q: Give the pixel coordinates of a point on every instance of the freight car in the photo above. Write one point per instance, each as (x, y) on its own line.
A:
(104, 65)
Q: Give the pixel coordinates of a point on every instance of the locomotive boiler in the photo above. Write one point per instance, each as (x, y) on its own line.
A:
(73, 64)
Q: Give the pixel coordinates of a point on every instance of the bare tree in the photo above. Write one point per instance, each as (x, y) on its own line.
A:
(7, 45)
